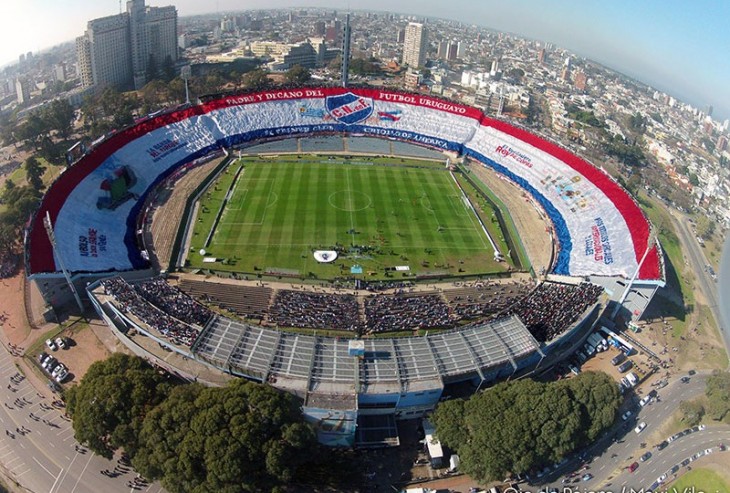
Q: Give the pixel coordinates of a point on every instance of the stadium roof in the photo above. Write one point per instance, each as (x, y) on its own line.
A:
(305, 364)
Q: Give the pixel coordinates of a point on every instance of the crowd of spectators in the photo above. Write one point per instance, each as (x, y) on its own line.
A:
(174, 302)
(385, 313)
(130, 301)
(552, 307)
(315, 310)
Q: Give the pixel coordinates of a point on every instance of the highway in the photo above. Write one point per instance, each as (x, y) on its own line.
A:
(693, 252)
(37, 447)
(622, 445)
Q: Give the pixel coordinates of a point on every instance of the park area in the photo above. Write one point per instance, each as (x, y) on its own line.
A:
(385, 217)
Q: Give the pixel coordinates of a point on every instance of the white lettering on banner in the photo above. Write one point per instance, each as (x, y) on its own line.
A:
(507, 151)
(273, 96)
(441, 105)
(398, 98)
(405, 135)
(431, 103)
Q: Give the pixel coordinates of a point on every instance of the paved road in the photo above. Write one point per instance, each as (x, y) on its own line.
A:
(621, 446)
(680, 449)
(696, 257)
(37, 447)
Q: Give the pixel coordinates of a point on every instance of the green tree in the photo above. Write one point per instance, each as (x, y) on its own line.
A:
(111, 402)
(518, 426)
(717, 391)
(59, 115)
(705, 226)
(34, 172)
(244, 437)
(692, 412)
(297, 75)
(257, 80)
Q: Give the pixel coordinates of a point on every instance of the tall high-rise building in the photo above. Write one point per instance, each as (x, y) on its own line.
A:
(414, 45)
(120, 50)
(22, 90)
(346, 51)
(580, 80)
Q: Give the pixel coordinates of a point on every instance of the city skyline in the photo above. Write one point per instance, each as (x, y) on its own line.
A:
(673, 48)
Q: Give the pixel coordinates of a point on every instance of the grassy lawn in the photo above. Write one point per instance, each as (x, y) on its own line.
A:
(674, 260)
(701, 480)
(377, 214)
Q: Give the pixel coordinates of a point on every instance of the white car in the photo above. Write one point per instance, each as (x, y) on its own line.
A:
(702, 427)
(640, 427)
(51, 345)
(645, 400)
(58, 370)
(61, 376)
(60, 343)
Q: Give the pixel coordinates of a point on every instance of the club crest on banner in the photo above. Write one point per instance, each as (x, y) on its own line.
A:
(349, 108)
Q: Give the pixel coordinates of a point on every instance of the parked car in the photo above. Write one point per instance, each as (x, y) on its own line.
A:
(645, 400)
(640, 427)
(50, 363)
(625, 366)
(51, 345)
(58, 369)
(61, 375)
(618, 359)
(60, 343)
(633, 467)
(43, 357)
(645, 457)
(625, 416)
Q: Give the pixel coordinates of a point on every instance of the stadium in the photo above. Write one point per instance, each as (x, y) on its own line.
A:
(477, 325)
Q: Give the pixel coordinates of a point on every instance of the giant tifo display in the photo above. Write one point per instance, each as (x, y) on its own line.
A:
(94, 205)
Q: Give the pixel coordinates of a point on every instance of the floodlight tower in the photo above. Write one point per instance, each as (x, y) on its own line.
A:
(346, 51)
(52, 238)
(185, 73)
(649, 245)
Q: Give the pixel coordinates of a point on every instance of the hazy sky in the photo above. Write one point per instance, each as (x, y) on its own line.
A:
(678, 46)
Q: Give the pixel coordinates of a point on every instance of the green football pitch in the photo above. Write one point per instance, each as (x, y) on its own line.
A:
(377, 213)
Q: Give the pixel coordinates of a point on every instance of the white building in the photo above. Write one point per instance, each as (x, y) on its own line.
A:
(117, 50)
(415, 44)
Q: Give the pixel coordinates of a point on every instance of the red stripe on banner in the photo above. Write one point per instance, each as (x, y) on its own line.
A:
(631, 212)
(41, 255)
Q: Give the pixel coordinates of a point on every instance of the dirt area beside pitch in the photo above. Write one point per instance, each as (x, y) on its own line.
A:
(527, 219)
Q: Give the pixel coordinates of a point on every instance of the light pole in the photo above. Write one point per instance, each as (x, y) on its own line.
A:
(650, 243)
(185, 74)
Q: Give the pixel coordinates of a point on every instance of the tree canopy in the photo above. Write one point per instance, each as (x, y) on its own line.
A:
(111, 402)
(257, 79)
(298, 75)
(718, 396)
(519, 426)
(240, 438)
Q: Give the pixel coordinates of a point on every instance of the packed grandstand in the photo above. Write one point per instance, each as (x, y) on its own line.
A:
(482, 331)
